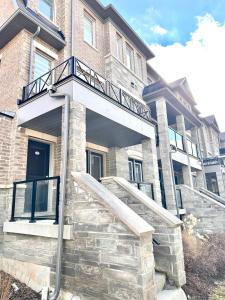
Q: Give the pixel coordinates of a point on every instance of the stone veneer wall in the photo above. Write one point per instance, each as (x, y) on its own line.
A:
(210, 214)
(169, 254)
(5, 196)
(106, 260)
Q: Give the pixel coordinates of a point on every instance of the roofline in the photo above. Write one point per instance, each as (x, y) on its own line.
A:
(110, 12)
(167, 91)
(23, 13)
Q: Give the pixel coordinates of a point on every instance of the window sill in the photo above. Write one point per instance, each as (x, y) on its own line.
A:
(40, 228)
(93, 47)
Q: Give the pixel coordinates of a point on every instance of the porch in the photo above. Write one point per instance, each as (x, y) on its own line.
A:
(103, 122)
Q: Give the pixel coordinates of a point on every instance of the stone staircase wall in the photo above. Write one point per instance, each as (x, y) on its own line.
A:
(169, 254)
(5, 197)
(111, 255)
(210, 214)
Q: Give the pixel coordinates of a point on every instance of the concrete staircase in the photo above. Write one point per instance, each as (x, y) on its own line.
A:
(212, 195)
(165, 291)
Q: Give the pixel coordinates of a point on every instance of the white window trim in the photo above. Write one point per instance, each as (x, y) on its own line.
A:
(53, 20)
(45, 50)
(93, 20)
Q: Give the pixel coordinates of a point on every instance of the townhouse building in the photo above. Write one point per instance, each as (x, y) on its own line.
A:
(89, 126)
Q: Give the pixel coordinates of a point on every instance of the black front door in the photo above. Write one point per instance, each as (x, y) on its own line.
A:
(94, 164)
(37, 168)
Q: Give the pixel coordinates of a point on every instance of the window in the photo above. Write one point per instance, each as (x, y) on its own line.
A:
(89, 30)
(119, 47)
(139, 65)
(46, 8)
(130, 57)
(135, 170)
(42, 65)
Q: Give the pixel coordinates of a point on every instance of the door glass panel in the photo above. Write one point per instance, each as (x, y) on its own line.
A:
(96, 165)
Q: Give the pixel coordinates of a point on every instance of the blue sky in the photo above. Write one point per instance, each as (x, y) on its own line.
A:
(176, 17)
(188, 40)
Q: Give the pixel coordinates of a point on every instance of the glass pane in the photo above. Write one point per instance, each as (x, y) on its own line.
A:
(96, 166)
(138, 172)
(46, 195)
(179, 199)
(42, 65)
(172, 137)
(130, 58)
(147, 189)
(46, 8)
(179, 141)
(189, 146)
(195, 151)
(88, 30)
(212, 184)
(23, 200)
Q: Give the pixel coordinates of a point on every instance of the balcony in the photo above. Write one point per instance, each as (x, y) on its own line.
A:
(177, 140)
(73, 67)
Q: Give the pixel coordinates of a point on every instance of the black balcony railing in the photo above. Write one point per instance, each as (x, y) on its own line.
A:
(75, 67)
(145, 187)
(36, 200)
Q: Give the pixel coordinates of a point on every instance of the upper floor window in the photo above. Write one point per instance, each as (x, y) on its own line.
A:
(130, 57)
(139, 65)
(119, 47)
(89, 30)
(42, 65)
(46, 8)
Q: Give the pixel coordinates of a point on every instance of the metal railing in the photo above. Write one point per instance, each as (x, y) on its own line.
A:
(176, 139)
(192, 148)
(75, 67)
(36, 199)
(146, 188)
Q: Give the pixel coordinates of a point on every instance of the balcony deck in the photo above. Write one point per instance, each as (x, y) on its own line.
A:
(114, 118)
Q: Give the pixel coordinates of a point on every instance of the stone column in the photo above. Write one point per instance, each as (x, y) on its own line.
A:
(164, 148)
(150, 167)
(220, 182)
(186, 169)
(118, 162)
(77, 144)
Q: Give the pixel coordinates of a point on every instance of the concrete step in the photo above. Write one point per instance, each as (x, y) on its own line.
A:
(160, 279)
(175, 294)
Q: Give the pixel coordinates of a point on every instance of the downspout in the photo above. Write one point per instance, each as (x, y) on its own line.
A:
(72, 24)
(65, 143)
(32, 53)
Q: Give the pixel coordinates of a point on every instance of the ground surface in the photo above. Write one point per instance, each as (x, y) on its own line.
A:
(205, 267)
(12, 289)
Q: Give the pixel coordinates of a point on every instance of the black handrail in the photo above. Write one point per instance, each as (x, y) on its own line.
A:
(32, 218)
(75, 67)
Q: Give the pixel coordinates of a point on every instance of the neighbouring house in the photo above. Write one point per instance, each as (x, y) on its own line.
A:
(134, 162)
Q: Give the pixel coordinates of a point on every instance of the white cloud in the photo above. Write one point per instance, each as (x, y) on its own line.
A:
(157, 29)
(202, 61)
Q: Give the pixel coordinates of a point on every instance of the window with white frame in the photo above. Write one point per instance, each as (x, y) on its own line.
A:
(139, 65)
(42, 65)
(130, 57)
(46, 7)
(119, 47)
(135, 170)
(89, 29)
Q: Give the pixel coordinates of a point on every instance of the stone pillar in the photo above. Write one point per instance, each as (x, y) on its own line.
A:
(186, 169)
(164, 148)
(220, 182)
(77, 144)
(200, 179)
(118, 162)
(150, 167)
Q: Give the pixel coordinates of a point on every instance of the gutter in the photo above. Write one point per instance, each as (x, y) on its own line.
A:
(65, 143)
